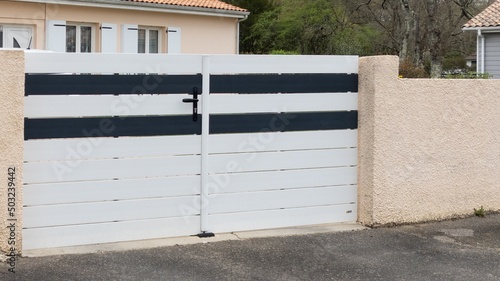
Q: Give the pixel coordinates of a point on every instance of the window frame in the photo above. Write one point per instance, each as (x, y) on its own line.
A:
(78, 36)
(4, 27)
(147, 30)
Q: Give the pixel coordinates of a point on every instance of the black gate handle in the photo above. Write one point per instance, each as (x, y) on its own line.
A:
(195, 101)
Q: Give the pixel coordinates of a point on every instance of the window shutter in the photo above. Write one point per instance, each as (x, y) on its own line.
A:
(109, 37)
(174, 40)
(56, 36)
(129, 38)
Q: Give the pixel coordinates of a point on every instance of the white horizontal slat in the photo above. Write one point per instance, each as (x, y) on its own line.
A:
(97, 106)
(274, 180)
(83, 213)
(112, 63)
(281, 199)
(98, 148)
(267, 161)
(79, 192)
(234, 103)
(281, 218)
(52, 237)
(255, 142)
(47, 62)
(224, 64)
(88, 170)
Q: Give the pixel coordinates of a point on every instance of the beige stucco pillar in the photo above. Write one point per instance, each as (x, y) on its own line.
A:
(11, 149)
(428, 148)
(377, 76)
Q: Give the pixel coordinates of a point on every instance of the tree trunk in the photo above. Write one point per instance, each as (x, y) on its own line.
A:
(409, 30)
(436, 68)
(434, 39)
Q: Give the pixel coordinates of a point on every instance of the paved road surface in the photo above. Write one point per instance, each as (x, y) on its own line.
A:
(465, 249)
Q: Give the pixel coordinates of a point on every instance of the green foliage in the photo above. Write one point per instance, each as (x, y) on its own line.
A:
(262, 35)
(454, 61)
(283, 52)
(468, 75)
(356, 40)
(309, 26)
(305, 27)
(250, 42)
(479, 212)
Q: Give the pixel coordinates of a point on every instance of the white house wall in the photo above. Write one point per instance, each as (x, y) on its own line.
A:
(492, 54)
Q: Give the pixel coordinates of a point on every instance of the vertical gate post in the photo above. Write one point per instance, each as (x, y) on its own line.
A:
(376, 77)
(205, 130)
(11, 150)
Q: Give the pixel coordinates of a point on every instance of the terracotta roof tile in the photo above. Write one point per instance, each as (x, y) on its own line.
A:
(490, 17)
(210, 4)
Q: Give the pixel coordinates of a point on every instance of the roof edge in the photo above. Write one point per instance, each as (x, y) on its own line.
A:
(485, 28)
(152, 7)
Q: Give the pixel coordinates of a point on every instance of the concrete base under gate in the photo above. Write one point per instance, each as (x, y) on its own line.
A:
(188, 240)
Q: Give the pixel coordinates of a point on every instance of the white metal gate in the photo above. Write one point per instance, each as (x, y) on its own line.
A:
(120, 152)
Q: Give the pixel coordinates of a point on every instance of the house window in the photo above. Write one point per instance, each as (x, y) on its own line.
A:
(148, 41)
(16, 36)
(79, 38)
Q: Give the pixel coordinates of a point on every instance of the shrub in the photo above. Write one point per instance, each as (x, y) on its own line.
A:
(454, 61)
(467, 75)
(408, 69)
(283, 52)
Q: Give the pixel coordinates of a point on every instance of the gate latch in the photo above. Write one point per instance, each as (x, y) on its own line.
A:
(194, 101)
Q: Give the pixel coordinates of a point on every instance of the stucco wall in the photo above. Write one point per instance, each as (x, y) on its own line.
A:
(200, 34)
(11, 143)
(428, 149)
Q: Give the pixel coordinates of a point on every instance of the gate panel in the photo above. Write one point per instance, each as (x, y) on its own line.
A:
(109, 158)
(283, 142)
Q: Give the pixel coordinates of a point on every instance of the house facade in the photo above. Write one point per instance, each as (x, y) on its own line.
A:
(121, 26)
(487, 26)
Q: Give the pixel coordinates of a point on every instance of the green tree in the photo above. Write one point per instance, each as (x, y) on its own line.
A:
(310, 27)
(420, 32)
(249, 42)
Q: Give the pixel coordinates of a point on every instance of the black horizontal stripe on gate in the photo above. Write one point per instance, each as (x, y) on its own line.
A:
(111, 127)
(284, 83)
(46, 84)
(283, 122)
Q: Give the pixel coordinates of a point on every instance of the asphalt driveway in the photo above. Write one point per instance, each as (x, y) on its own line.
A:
(464, 249)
